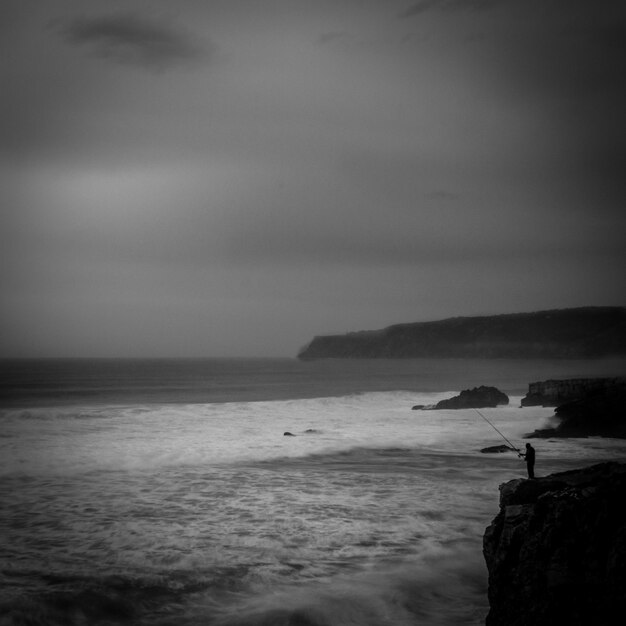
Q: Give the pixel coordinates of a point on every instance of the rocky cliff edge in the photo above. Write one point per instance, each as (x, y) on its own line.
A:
(556, 552)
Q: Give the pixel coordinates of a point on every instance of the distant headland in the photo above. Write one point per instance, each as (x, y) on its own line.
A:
(587, 332)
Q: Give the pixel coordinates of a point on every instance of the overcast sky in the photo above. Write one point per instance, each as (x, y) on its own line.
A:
(233, 177)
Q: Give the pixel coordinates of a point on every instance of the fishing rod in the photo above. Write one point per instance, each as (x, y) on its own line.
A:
(499, 433)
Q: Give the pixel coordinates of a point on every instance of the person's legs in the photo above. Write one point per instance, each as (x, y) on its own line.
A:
(531, 470)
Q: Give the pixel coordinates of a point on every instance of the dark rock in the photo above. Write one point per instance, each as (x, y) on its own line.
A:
(417, 407)
(601, 413)
(497, 449)
(542, 433)
(312, 431)
(476, 398)
(557, 392)
(288, 434)
(556, 551)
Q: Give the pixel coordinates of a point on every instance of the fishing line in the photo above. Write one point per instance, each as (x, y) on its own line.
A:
(499, 433)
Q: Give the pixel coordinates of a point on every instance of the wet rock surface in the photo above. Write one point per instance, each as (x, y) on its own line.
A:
(601, 414)
(556, 551)
(498, 449)
(477, 398)
(557, 392)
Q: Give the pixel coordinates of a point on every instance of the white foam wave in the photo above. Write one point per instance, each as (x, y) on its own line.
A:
(135, 438)
(444, 587)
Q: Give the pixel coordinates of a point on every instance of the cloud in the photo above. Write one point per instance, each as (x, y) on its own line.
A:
(570, 64)
(130, 39)
(420, 7)
(426, 5)
(560, 63)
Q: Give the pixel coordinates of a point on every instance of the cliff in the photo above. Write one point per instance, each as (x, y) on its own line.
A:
(556, 552)
(600, 413)
(564, 333)
(557, 392)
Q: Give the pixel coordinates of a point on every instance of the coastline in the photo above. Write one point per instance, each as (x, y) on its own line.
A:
(206, 512)
(62, 382)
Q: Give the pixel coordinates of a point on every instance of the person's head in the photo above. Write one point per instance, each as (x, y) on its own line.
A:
(527, 446)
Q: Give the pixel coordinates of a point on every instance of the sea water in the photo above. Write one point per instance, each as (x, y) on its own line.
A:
(165, 492)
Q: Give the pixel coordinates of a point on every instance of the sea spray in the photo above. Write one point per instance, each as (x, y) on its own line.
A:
(446, 586)
(205, 514)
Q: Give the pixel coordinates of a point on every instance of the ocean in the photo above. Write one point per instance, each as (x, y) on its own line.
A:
(165, 492)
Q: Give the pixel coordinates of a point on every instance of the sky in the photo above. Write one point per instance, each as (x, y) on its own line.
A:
(233, 177)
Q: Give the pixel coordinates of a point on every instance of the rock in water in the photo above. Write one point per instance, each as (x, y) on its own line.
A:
(477, 398)
(602, 414)
(556, 552)
(497, 449)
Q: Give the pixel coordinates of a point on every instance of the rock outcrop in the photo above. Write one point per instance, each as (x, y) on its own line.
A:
(557, 392)
(601, 414)
(498, 449)
(564, 333)
(477, 398)
(556, 552)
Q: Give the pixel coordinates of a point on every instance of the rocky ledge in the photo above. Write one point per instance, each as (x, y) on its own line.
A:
(476, 398)
(600, 413)
(556, 552)
(557, 392)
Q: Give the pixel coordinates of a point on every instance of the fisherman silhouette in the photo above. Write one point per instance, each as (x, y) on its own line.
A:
(529, 455)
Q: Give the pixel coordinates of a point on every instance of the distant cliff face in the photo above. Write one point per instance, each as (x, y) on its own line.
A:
(556, 392)
(556, 552)
(567, 333)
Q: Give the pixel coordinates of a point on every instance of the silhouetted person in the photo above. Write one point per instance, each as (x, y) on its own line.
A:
(529, 455)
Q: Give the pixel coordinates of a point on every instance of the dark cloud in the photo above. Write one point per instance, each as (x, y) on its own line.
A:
(134, 40)
(569, 64)
(562, 62)
(423, 6)
(580, 54)
(420, 7)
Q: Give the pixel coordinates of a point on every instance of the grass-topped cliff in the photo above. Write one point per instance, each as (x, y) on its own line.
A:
(562, 333)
